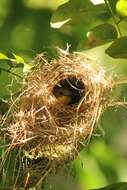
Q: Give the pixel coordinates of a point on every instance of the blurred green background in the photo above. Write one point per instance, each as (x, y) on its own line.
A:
(25, 30)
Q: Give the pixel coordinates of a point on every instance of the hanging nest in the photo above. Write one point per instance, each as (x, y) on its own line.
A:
(56, 113)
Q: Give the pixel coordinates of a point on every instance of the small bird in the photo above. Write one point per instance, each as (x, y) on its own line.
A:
(121, 8)
(63, 95)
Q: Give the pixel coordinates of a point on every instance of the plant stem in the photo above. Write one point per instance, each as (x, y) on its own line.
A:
(114, 18)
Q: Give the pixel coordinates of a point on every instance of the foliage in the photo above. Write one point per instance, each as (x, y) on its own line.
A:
(94, 29)
(117, 186)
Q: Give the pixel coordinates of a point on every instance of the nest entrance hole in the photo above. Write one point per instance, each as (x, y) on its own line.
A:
(69, 91)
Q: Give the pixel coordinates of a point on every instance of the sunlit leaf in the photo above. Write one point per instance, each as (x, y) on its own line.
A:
(59, 24)
(27, 68)
(18, 59)
(3, 57)
(118, 49)
(77, 11)
(117, 186)
(121, 8)
(96, 2)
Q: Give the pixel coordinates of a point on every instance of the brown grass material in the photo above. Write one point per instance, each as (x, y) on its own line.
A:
(57, 111)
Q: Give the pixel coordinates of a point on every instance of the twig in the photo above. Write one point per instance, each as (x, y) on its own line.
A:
(114, 19)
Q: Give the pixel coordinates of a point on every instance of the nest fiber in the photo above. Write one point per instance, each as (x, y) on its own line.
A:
(58, 109)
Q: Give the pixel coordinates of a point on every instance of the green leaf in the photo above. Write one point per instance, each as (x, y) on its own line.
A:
(118, 49)
(75, 11)
(117, 186)
(18, 59)
(3, 57)
(99, 35)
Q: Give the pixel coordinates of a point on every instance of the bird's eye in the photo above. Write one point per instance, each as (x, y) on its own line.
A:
(61, 92)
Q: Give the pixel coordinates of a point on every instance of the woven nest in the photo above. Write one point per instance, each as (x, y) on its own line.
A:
(58, 109)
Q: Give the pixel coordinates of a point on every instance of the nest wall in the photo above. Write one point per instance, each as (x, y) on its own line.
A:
(58, 109)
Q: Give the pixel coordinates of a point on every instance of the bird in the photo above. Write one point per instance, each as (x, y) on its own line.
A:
(63, 95)
(121, 8)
